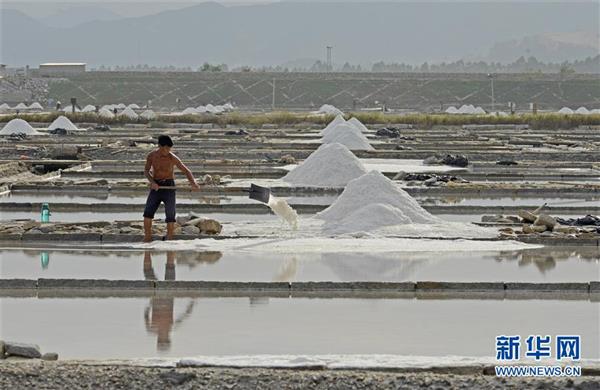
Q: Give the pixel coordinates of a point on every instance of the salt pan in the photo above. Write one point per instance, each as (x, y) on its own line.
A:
(331, 165)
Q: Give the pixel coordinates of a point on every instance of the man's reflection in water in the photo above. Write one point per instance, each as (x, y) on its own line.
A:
(158, 316)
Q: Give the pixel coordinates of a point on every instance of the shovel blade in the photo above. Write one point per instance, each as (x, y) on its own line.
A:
(262, 194)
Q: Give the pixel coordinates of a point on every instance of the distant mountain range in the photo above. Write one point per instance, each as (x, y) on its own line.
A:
(287, 32)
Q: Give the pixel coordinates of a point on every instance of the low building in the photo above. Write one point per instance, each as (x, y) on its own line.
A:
(61, 68)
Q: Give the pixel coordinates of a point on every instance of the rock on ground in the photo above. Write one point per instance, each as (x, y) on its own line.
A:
(22, 350)
(54, 375)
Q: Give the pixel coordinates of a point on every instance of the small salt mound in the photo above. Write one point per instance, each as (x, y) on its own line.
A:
(328, 109)
(88, 108)
(374, 188)
(479, 111)
(134, 106)
(466, 109)
(228, 107)
(451, 110)
(129, 113)
(336, 121)
(36, 106)
(121, 106)
(148, 114)
(4, 106)
(21, 106)
(201, 109)
(331, 165)
(62, 122)
(582, 110)
(371, 217)
(109, 107)
(347, 135)
(358, 124)
(189, 111)
(565, 110)
(18, 126)
(105, 113)
(595, 111)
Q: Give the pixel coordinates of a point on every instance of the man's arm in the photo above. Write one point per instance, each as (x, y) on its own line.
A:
(188, 173)
(147, 168)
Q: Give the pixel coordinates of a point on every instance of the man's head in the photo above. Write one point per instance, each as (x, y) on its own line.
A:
(165, 143)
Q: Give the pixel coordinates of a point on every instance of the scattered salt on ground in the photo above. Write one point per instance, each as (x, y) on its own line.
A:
(282, 209)
(373, 188)
(347, 135)
(62, 122)
(336, 121)
(358, 124)
(334, 245)
(129, 113)
(18, 126)
(331, 165)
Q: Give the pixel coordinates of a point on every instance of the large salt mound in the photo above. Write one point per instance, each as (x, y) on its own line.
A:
(347, 135)
(336, 121)
(331, 165)
(371, 217)
(62, 122)
(18, 126)
(373, 188)
(358, 124)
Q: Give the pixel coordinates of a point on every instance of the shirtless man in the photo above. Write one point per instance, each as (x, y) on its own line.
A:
(159, 172)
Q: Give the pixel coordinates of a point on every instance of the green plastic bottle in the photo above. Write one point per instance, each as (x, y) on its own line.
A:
(45, 217)
(45, 258)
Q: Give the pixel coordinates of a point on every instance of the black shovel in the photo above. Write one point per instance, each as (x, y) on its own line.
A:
(262, 194)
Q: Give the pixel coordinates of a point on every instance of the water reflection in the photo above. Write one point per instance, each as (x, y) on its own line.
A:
(546, 258)
(159, 316)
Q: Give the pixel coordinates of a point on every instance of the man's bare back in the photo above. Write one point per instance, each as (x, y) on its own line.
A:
(161, 165)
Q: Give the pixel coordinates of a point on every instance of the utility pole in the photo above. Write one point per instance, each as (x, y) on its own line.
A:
(273, 100)
(491, 77)
(329, 59)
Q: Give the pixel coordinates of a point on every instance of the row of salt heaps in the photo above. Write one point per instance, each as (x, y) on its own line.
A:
(35, 106)
(465, 109)
(580, 110)
(208, 109)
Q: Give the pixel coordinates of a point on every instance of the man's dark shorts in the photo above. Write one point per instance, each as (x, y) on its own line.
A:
(165, 196)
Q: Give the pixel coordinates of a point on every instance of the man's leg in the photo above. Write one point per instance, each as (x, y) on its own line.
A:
(151, 206)
(169, 200)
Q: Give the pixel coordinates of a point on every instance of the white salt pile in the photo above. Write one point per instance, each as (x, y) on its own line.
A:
(201, 109)
(479, 111)
(348, 136)
(189, 111)
(18, 126)
(282, 209)
(358, 124)
(148, 114)
(329, 109)
(105, 113)
(121, 106)
(4, 107)
(134, 106)
(331, 165)
(129, 113)
(387, 205)
(36, 106)
(582, 110)
(21, 106)
(88, 108)
(565, 110)
(62, 122)
(451, 110)
(71, 109)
